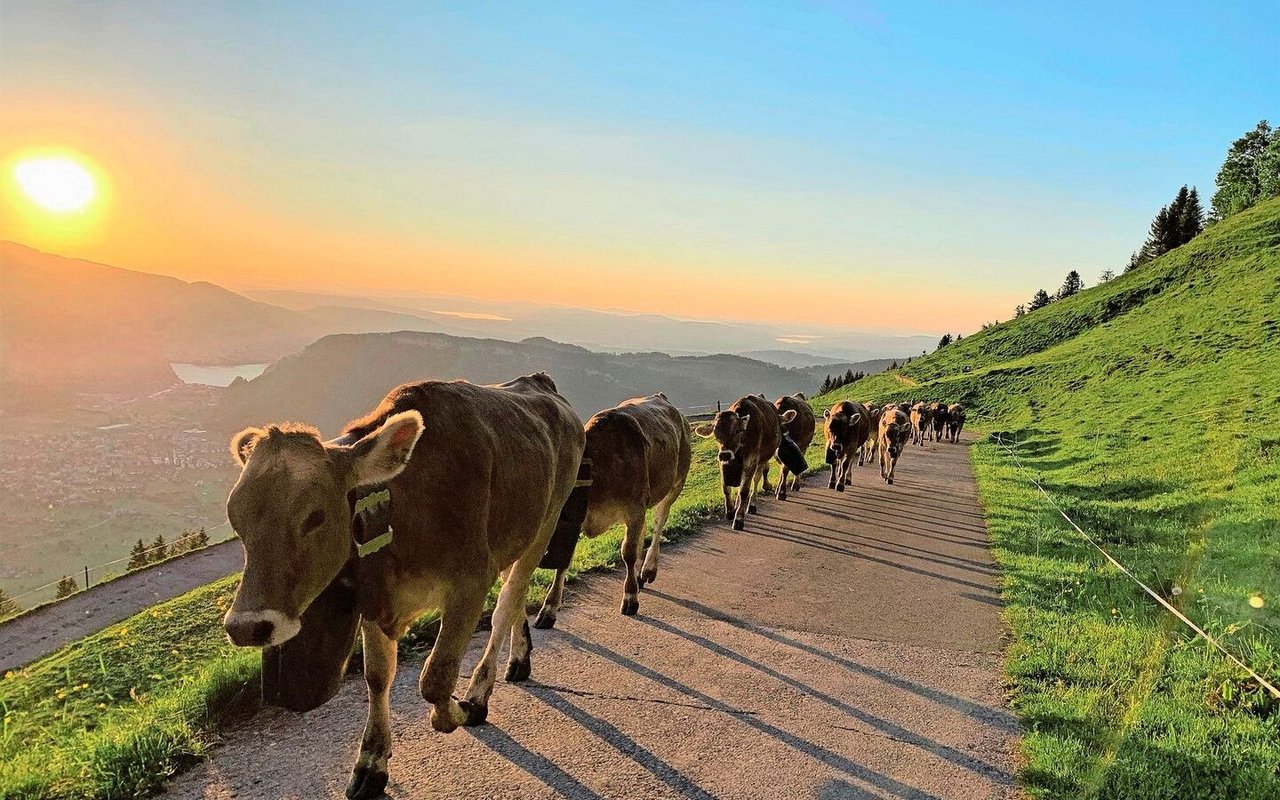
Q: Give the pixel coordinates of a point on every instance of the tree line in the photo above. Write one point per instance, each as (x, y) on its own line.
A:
(140, 556)
(829, 383)
(1249, 174)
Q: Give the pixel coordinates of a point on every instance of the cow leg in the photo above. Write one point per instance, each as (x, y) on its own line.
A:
(835, 474)
(458, 617)
(728, 503)
(764, 471)
(551, 606)
(631, 543)
(369, 777)
(649, 573)
(782, 484)
(508, 620)
(744, 499)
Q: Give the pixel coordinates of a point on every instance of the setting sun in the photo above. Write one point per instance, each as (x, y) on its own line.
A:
(56, 184)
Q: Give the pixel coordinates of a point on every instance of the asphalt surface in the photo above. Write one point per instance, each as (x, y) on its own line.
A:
(846, 645)
(43, 630)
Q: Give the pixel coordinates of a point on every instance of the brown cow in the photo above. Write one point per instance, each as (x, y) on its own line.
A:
(895, 430)
(640, 457)
(955, 421)
(474, 477)
(921, 422)
(939, 421)
(748, 433)
(846, 426)
(801, 430)
(871, 446)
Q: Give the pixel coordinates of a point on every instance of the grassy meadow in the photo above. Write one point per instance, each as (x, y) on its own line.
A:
(1146, 407)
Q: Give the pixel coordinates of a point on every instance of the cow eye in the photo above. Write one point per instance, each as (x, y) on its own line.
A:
(314, 520)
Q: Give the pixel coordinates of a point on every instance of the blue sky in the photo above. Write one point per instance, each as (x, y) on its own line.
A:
(971, 151)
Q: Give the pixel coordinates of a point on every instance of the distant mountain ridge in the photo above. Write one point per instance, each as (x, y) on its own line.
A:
(343, 376)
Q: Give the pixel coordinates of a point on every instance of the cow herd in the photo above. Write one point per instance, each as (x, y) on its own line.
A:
(446, 486)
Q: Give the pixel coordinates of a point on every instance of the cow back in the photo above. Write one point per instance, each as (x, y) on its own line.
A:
(639, 450)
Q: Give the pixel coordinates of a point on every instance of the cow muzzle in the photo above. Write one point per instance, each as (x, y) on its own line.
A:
(260, 628)
(725, 456)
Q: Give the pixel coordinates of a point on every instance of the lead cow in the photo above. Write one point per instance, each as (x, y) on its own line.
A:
(748, 433)
(895, 431)
(471, 480)
(640, 456)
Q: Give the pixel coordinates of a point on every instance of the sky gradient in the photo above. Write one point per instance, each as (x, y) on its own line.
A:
(908, 167)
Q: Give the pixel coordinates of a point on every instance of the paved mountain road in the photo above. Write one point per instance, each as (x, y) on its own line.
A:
(43, 630)
(843, 646)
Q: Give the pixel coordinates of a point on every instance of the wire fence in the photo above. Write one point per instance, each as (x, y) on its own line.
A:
(1266, 684)
(88, 569)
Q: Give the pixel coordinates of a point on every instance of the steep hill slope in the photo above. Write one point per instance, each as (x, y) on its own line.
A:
(1145, 407)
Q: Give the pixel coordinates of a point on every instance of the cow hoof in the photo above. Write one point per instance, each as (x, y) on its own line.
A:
(476, 713)
(782, 497)
(544, 621)
(517, 671)
(366, 783)
(831, 485)
(751, 509)
(648, 575)
(739, 525)
(630, 606)
(840, 486)
(889, 481)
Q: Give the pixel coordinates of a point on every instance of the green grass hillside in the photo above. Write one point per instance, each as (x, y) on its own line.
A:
(1147, 407)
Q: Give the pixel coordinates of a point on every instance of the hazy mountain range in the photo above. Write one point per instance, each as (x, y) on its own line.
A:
(70, 326)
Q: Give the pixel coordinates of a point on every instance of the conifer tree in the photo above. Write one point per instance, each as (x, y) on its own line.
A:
(1019, 310)
(1249, 172)
(1072, 284)
(8, 606)
(137, 556)
(1041, 300)
(944, 341)
(66, 587)
(159, 552)
(201, 539)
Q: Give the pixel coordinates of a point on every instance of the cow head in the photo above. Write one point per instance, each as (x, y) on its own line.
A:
(290, 509)
(730, 431)
(837, 421)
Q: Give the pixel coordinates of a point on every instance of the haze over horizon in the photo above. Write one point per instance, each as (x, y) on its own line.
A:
(900, 168)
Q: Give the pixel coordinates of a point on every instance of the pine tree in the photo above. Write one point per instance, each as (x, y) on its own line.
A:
(894, 365)
(958, 337)
(1072, 284)
(1041, 300)
(1251, 166)
(1107, 275)
(944, 341)
(1190, 217)
(66, 587)
(159, 552)
(826, 385)
(848, 377)
(1135, 261)
(137, 556)
(1019, 310)
(8, 606)
(201, 539)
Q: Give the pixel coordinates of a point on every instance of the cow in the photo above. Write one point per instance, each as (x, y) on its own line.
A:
(871, 446)
(895, 430)
(845, 424)
(955, 421)
(921, 421)
(801, 430)
(471, 480)
(640, 456)
(748, 433)
(939, 420)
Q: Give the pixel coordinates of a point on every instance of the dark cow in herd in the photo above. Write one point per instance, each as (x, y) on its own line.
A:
(446, 486)
(939, 416)
(847, 425)
(640, 455)
(475, 478)
(800, 430)
(748, 433)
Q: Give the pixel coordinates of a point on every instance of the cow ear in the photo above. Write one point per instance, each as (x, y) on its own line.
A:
(745, 419)
(704, 430)
(242, 444)
(383, 454)
(789, 415)
(826, 413)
